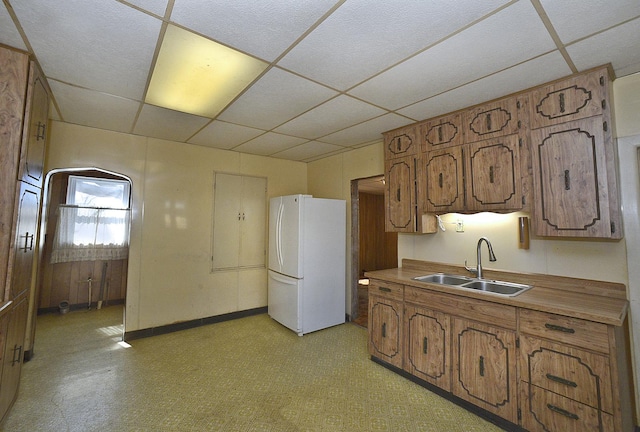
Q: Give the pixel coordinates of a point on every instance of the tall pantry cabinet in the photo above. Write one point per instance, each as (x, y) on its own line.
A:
(24, 103)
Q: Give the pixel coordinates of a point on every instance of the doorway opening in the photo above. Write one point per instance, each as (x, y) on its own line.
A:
(76, 274)
(371, 247)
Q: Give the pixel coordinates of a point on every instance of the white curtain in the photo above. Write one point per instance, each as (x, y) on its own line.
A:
(90, 234)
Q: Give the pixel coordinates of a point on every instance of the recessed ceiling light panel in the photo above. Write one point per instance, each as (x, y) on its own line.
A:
(198, 76)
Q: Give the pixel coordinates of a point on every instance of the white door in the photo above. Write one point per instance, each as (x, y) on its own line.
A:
(285, 296)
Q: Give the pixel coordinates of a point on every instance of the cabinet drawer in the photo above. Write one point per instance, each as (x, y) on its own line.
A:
(479, 310)
(546, 411)
(386, 289)
(570, 372)
(492, 120)
(574, 331)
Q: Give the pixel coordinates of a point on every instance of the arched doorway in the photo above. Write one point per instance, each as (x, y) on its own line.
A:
(88, 283)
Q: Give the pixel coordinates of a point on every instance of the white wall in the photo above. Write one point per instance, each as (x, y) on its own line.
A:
(169, 278)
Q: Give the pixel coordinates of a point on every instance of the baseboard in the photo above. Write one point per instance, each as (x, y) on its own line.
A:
(490, 417)
(185, 325)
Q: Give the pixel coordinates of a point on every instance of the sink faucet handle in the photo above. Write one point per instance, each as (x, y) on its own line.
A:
(473, 270)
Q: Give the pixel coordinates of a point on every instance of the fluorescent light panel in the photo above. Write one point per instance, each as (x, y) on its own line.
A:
(198, 76)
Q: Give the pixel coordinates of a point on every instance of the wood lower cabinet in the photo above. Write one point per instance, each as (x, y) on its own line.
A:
(572, 375)
(427, 346)
(13, 353)
(539, 370)
(385, 322)
(484, 365)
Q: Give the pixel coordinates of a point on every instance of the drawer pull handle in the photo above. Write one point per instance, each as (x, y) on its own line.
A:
(561, 380)
(481, 366)
(491, 174)
(384, 330)
(562, 412)
(385, 289)
(424, 345)
(559, 328)
(440, 180)
(398, 197)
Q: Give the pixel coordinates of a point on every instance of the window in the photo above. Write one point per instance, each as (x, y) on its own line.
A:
(94, 223)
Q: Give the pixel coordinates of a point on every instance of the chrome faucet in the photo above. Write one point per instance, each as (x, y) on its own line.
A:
(492, 257)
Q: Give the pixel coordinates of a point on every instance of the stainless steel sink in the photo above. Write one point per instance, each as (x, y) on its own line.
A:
(444, 279)
(508, 289)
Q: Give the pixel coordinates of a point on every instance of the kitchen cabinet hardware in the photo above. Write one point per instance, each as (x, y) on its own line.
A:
(558, 328)
(567, 180)
(385, 289)
(424, 345)
(384, 330)
(16, 358)
(40, 133)
(563, 412)
(561, 380)
(481, 366)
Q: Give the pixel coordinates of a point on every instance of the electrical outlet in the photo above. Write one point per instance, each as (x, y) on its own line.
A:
(459, 225)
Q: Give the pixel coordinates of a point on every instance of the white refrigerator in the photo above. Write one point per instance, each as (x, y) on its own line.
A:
(307, 241)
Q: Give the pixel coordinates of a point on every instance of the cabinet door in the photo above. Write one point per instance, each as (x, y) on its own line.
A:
(13, 354)
(427, 351)
(493, 175)
(441, 133)
(239, 225)
(28, 206)
(484, 364)
(253, 222)
(570, 180)
(400, 143)
(492, 120)
(14, 67)
(385, 329)
(571, 99)
(441, 180)
(399, 195)
(35, 134)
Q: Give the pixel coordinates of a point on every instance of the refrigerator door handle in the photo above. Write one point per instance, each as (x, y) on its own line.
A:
(279, 234)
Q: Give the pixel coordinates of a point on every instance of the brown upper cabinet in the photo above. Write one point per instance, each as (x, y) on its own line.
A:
(548, 150)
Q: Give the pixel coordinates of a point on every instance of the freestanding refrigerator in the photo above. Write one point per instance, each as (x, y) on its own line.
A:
(307, 240)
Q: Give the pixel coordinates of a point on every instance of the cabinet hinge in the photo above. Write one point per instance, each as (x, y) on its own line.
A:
(519, 414)
(613, 227)
(520, 142)
(524, 200)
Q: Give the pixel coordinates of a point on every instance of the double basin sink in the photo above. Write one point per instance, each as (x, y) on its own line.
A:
(507, 289)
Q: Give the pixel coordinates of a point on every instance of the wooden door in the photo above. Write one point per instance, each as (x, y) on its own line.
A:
(485, 367)
(28, 206)
(441, 133)
(385, 329)
(441, 181)
(493, 175)
(399, 195)
(35, 133)
(13, 354)
(427, 354)
(570, 180)
(400, 143)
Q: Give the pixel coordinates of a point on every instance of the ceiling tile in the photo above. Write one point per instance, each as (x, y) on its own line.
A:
(362, 38)
(574, 19)
(95, 109)
(309, 150)
(224, 135)
(366, 132)
(277, 97)
(509, 37)
(105, 46)
(9, 34)
(338, 113)
(264, 29)
(167, 124)
(268, 144)
(620, 46)
(528, 74)
(158, 7)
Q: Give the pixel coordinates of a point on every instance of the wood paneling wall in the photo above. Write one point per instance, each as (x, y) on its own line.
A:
(68, 281)
(378, 249)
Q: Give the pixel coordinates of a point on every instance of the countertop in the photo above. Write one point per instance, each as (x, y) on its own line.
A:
(599, 301)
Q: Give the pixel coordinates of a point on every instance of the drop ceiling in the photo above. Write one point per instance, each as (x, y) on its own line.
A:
(339, 72)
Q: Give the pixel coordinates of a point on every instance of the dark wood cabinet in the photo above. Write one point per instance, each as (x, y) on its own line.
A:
(400, 194)
(385, 322)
